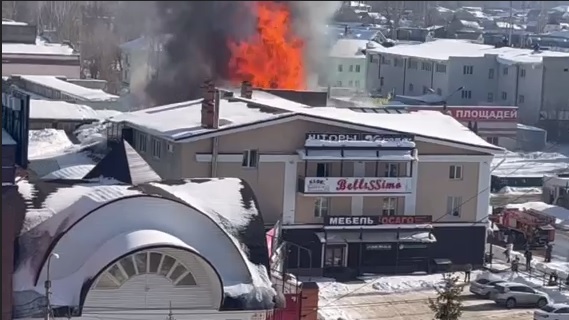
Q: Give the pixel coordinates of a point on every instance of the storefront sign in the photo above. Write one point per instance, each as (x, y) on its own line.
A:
(361, 221)
(358, 137)
(484, 114)
(378, 247)
(357, 185)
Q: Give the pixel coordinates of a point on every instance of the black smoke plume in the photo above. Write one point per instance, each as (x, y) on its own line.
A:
(198, 33)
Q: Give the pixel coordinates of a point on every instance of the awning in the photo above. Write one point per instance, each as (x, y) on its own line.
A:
(375, 236)
(366, 155)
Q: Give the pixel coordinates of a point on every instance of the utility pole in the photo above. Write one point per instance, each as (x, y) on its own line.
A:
(511, 26)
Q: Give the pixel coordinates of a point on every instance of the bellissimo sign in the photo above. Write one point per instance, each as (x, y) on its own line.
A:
(375, 220)
(357, 185)
(358, 137)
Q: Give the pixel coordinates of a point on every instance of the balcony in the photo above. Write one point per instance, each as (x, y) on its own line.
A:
(355, 185)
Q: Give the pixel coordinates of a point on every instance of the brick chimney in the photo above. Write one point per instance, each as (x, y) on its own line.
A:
(209, 110)
(246, 90)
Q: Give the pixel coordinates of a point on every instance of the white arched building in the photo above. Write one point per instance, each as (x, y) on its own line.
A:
(114, 250)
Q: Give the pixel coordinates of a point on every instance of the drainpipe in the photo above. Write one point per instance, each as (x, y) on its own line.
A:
(215, 140)
(404, 74)
(517, 88)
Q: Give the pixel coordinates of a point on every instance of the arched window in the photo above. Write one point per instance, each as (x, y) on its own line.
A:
(145, 263)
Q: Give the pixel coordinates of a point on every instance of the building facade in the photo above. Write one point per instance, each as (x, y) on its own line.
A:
(316, 170)
(347, 65)
(473, 74)
(25, 53)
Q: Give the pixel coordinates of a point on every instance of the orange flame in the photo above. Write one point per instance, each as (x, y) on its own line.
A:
(273, 58)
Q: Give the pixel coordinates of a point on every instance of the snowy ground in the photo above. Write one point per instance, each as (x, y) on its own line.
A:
(399, 298)
(554, 159)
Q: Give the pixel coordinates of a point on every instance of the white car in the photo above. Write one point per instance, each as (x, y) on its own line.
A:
(558, 311)
(483, 286)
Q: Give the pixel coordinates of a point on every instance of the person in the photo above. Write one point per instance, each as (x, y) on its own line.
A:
(467, 270)
(548, 251)
(529, 257)
(516, 266)
(507, 254)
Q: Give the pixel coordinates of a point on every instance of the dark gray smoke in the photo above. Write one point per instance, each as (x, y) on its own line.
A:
(198, 33)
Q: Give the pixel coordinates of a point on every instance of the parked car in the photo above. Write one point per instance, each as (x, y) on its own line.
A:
(558, 311)
(482, 287)
(511, 295)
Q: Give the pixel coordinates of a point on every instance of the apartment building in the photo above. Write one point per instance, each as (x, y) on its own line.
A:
(347, 64)
(23, 52)
(355, 192)
(465, 73)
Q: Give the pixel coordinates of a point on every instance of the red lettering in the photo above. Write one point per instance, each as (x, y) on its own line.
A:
(360, 184)
(398, 220)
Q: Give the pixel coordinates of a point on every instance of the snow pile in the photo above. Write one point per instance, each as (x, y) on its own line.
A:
(516, 191)
(47, 142)
(402, 284)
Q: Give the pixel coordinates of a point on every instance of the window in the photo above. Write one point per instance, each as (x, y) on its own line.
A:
(340, 68)
(334, 256)
(351, 68)
(339, 83)
(141, 142)
(357, 82)
(145, 263)
(492, 140)
(397, 62)
(370, 60)
(522, 73)
(490, 97)
(453, 206)
(410, 87)
(170, 147)
(156, 148)
(505, 71)
(358, 68)
(455, 172)
(385, 61)
(466, 94)
(321, 207)
(468, 69)
(491, 73)
(439, 91)
(323, 169)
(391, 170)
(412, 64)
(350, 83)
(425, 89)
(521, 98)
(504, 95)
(426, 66)
(389, 206)
(562, 311)
(250, 159)
(441, 68)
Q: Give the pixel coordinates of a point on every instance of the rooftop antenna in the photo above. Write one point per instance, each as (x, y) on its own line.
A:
(170, 313)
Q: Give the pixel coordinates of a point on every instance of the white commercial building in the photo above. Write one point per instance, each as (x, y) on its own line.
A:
(473, 74)
(347, 64)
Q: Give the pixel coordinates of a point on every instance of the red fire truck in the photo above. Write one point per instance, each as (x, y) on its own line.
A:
(522, 226)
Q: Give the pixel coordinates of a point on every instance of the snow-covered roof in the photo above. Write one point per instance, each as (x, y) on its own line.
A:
(70, 173)
(73, 90)
(216, 217)
(183, 120)
(50, 150)
(61, 110)
(13, 23)
(7, 138)
(348, 48)
(443, 49)
(533, 164)
(40, 48)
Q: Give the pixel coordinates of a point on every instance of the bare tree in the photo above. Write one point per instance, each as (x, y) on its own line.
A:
(100, 52)
(61, 18)
(393, 12)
